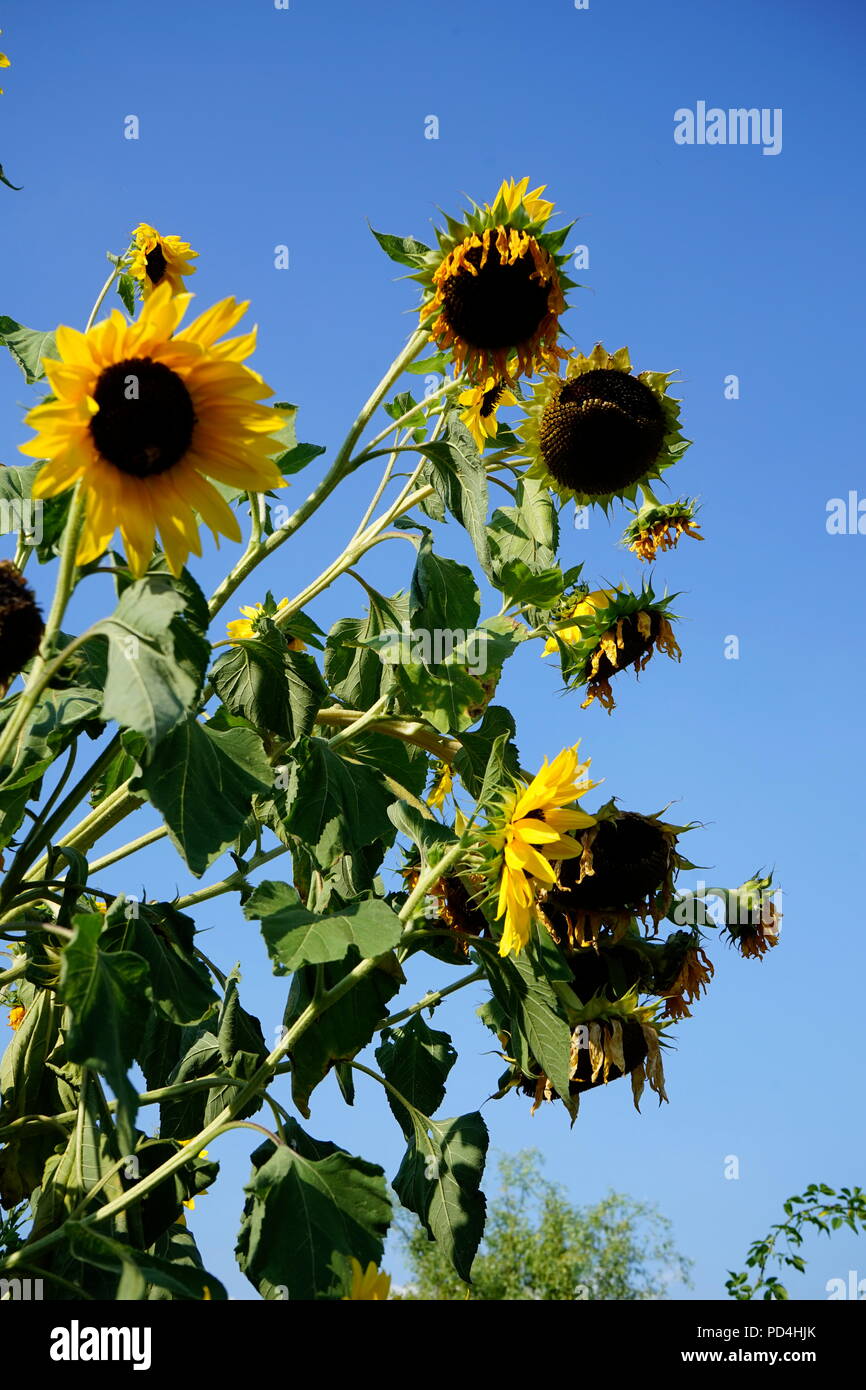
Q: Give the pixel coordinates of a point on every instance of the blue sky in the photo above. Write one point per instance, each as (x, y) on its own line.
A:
(261, 127)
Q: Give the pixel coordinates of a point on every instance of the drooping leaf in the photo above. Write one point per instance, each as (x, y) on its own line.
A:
(332, 807)
(416, 1059)
(440, 1178)
(28, 347)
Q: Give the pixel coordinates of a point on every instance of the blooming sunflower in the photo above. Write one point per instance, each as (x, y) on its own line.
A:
(144, 417)
(442, 787)
(659, 525)
(528, 831)
(368, 1285)
(599, 431)
(602, 633)
(21, 625)
(494, 286)
(156, 260)
(16, 1017)
(480, 404)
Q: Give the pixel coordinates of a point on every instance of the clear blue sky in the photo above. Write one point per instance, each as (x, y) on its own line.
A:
(261, 127)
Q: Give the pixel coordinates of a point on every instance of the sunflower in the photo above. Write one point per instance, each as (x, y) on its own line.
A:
(611, 1040)
(16, 1017)
(626, 870)
(493, 289)
(442, 787)
(604, 632)
(528, 831)
(156, 260)
(242, 629)
(752, 920)
(659, 525)
(21, 625)
(143, 419)
(455, 904)
(693, 972)
(598, 432)
(480, 404)
(368, 1285)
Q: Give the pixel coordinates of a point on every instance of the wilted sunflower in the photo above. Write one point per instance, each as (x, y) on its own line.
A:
(752, 920)
(608, 630)
(480, 406)
(494, 286)
(529, 830)
(626, 870)
(143, 419)
(659, 525)
(156, 260)
(612, 1040)
(687, 975)
(456, 906)
(597, 432)
(368, 1285)
(21, 625)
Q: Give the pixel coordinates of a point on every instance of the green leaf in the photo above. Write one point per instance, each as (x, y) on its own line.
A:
(156, 663)
(542, 588)
(333, 807)
(126, 290)
(444, 594)
(458, 474)
(236, 1050)
(28, 347)
(295, 936)
(179, 983)
(447, 696)
(277, 690)
(106, 993)
(296, 456)
(538, 1031)
(528, 531)
(139, 1268)
(429, 834)
(3, 179)
(416, 1060)
(405, 250)
(439, 1179)
(203, 782)
(344, 1028)
(354, 673)
(474, 759)
(303, 1214)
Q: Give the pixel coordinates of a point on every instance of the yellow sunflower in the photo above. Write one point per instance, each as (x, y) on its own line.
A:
(16, 1017)
(156, 260)
(528, 831)
(600, 431)
(368, 1285)
(243, 628)
(144, 417)
(442, 787)
(480, 404)
(612, 629)
(494, 287)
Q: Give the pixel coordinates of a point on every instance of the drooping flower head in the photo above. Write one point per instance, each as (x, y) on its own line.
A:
(21, 625)
(367, 1285)
(480, 404)
(159, 260)
(599, 431)
(685, 974)
(752, 917)
(144, 417)
(604, 632)
(494, 287)
(528, 831)
(659, 525)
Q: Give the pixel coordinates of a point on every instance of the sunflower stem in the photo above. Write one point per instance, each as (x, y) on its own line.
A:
(117, 270)
(62, 593)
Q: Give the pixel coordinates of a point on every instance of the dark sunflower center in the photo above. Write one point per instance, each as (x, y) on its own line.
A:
(20, 623)
(145, 420)
(602, 432)
(156, 264)
(634, 644)
(500, 306)
(490, 398)
(630, 856)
